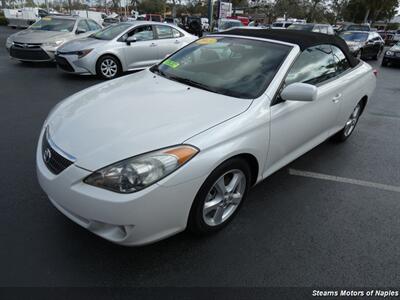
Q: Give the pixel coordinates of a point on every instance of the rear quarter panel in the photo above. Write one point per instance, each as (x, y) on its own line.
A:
(358, 83)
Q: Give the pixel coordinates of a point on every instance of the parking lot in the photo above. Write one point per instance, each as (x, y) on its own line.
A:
(330, 218)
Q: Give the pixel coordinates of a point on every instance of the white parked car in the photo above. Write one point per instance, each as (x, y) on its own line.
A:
(140, 158)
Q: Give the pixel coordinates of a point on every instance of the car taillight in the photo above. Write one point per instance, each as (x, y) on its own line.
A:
(375, 71)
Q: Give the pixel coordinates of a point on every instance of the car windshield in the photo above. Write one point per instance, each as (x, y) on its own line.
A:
(54, 24)
(306, 27)
(229, 24)
(236, 67)
(358, 27)
(111, 32)
(354, 36)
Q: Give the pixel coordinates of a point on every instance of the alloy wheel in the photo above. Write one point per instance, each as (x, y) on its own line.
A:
(109, 68)
(224, 197)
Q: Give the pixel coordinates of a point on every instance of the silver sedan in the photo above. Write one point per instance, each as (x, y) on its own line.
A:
(40, 41)
(122, 47)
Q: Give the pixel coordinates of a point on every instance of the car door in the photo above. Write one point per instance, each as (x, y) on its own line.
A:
(169, 40)
(344, 81)
(143, 52)
(297, 127)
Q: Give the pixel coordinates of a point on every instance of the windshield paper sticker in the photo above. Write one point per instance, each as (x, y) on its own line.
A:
(206, 41)
(170, 63)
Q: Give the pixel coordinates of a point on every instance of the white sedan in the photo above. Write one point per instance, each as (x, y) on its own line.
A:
(177, 146)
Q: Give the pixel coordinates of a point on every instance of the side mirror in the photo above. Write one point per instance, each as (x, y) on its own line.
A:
(80, 30)
(131, 39)
(299, 92)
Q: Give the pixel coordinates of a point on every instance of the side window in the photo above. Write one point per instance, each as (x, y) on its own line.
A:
(316, 29)
(82, 25)
(93, 25)
(142, 33)
(277, 25)
(324, 29)
(330, 30)
(176, 33)
(315, 65)
(342, 64)
(164, 32)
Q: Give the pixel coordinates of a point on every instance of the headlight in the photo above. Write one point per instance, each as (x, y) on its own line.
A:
(136, 173)
(83, 53)
(9, 41)
(53, 44)
(389, 53)
(80, 53)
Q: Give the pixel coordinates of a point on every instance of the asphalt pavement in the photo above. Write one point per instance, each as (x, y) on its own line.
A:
(293, 231)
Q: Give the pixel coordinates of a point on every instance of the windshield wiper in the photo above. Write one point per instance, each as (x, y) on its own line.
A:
(156, 70)
(194, 84)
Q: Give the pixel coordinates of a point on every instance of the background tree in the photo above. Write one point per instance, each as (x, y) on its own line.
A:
(370, 10)
(29, 3)
(151, 6)
(337, 7)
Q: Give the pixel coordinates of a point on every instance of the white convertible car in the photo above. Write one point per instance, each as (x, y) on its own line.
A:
(177, 146)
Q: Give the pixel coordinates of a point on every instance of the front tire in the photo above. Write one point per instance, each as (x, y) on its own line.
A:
(350, 125)
(108, 67)
(220, 197)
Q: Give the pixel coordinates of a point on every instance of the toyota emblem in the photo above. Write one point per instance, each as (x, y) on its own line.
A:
(47, 155)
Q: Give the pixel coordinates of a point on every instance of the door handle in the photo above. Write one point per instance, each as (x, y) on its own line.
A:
(336, 98)
(177, 42)
(153, 44)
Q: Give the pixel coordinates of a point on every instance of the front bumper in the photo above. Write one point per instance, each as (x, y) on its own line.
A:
(133, 219)
(73, 64)
(36, 54)
(394, 59)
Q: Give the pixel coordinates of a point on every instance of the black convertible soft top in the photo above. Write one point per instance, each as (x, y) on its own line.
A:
(303, 39)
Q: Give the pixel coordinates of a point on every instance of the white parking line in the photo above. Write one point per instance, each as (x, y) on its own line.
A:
(369, 184)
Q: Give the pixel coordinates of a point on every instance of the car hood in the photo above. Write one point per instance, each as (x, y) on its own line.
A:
(354, 44)
(81, 44)
(133, 115)
(39, 36)
(395, 48)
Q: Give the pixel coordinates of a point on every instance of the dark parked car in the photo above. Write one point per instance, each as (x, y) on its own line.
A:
(354, 27)
(110, 20)
(392, 56)
(387, 36)
(322, 28)
(364, 44)
(192, 25)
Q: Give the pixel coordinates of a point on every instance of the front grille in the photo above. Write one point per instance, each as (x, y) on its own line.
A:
(28, 53)
(64, 64)
(54, 161)
(26, 45)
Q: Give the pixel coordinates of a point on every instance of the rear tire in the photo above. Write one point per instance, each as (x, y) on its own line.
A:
(350, 125)
(108, 67)
(214, 206)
